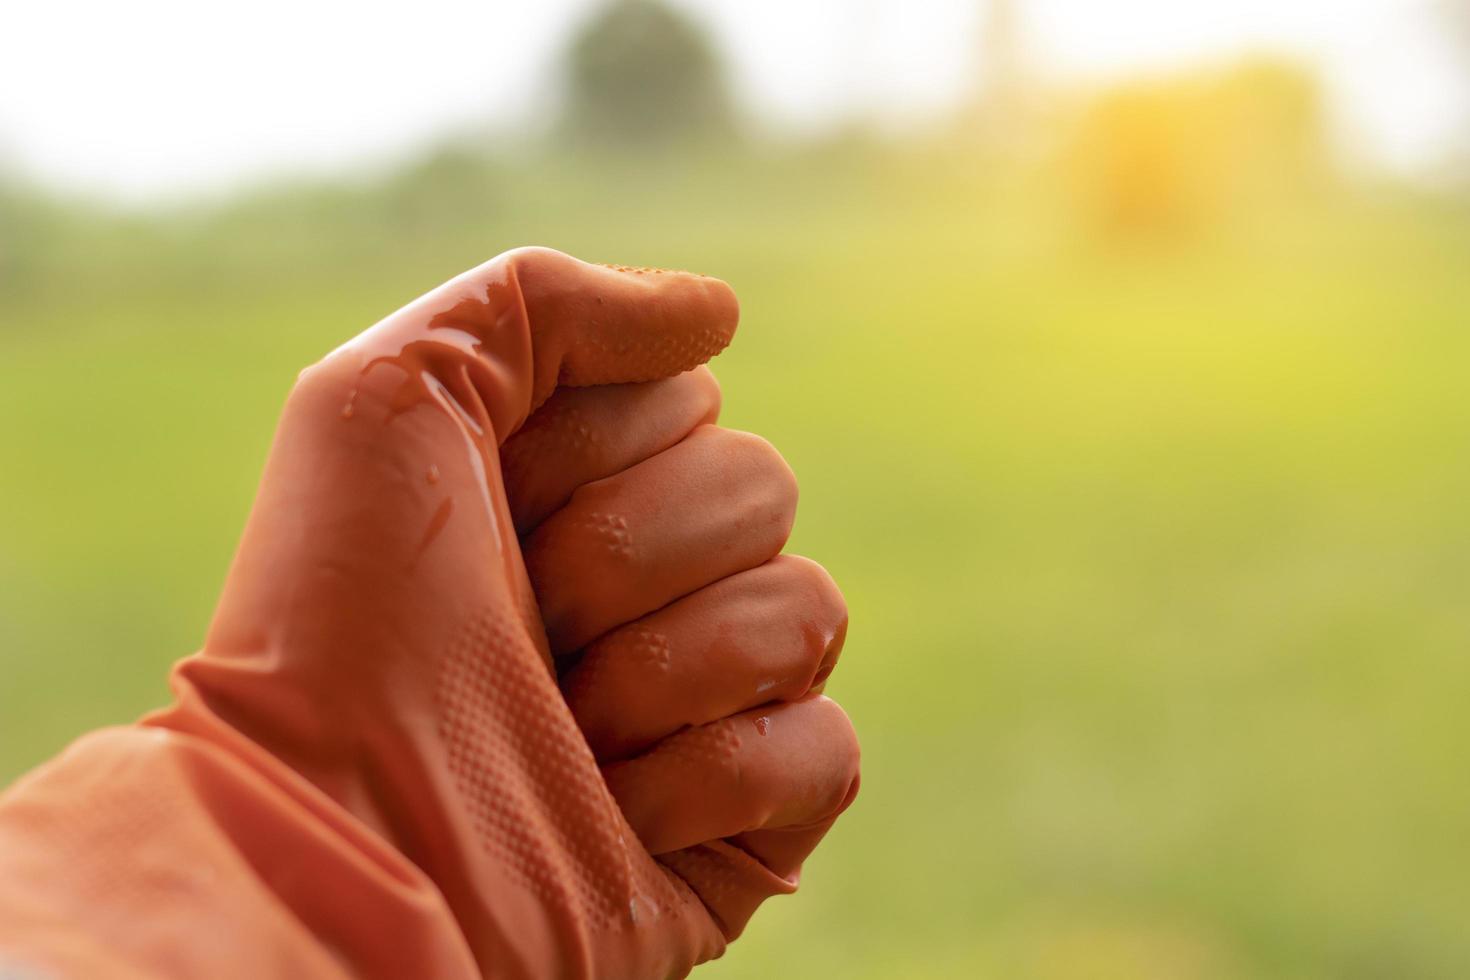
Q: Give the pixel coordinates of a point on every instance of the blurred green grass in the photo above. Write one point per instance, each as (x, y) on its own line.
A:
(1157, 552)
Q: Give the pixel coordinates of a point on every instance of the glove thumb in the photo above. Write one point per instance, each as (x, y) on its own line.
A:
(531, 319)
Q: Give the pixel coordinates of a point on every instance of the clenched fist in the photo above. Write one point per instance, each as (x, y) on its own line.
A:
(508, 677)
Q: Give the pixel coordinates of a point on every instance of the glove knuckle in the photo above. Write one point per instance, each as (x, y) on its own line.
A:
(763, 463)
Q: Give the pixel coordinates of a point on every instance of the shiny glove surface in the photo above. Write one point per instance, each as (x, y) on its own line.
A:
(507, 678)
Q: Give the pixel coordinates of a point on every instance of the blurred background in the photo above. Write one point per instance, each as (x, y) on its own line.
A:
(1121, 350)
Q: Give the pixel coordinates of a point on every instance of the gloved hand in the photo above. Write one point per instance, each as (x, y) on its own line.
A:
(370, 770)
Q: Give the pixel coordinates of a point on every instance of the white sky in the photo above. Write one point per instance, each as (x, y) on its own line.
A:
(154, 97)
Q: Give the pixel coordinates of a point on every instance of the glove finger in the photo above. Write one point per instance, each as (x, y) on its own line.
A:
(499, 338)
(769, 634)
(783, 850)
(585, 434)
(779, 767)
(718, 503)
(733, 877)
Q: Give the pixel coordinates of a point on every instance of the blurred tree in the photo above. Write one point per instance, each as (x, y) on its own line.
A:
(641, 74)
(32, 228)
(454, 186)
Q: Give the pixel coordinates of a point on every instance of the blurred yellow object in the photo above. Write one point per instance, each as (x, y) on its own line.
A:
(1176, 154)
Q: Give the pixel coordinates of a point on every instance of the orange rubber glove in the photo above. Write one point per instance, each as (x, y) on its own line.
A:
(370, 770)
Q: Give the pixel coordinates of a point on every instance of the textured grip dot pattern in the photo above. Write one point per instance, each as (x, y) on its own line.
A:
(635, 650)
(611, 532)
(706, 749)
(598, 355)
(653, 355)
(563, 429)
(530, 784)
